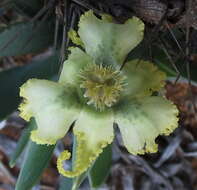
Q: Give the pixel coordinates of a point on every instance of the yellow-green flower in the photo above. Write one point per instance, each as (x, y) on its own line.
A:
(93, 93)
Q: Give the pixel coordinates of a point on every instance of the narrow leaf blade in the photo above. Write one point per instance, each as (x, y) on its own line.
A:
(69, 183)
(23, 38)
(28, 8)
(15, 77)
(37, 158)
(100, 169)
(65, 183)
(22, 143)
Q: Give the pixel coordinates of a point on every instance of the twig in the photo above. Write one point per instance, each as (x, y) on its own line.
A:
(42, 11)
(6, 3)
(144, 166)
(170, 59)
(151, 37)
(190, 154)
(151, 172)
(7, 173)
(176, 41)
(64, 35)
(44, 187)
(187, 54)
(35, 29)
(187, 41)
(59, 16)
(87, 6)
(169, 151)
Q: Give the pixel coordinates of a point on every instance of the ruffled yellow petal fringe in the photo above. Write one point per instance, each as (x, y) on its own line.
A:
(143, 78)
(93, 132)
(76, 61)
(53, 106)
(72, 34)
(84, 160)
(142, 121)
(107, 42)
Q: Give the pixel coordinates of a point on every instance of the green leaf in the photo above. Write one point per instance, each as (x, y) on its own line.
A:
(65, 183)
(23, 38)
(72, 183)
(37, 158)
(159, 58)
(12, 79)
(100, 170)
(28, 8)
(162, 61)
(22, 142)
(77, 181)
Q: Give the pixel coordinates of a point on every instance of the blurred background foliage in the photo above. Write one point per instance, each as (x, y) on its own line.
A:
(33, 43)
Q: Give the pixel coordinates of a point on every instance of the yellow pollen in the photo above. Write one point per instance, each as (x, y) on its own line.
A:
(103, 85)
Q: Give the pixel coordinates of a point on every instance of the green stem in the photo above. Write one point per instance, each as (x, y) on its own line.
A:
(78, 180)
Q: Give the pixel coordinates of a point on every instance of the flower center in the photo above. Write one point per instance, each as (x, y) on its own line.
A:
(102, 85)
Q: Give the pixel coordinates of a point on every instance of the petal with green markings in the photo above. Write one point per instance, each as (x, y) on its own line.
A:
(143, 78)
(141, 121)
(94, 131)
(76, 61)
(109, 42)
(53, 106)
(72, 34)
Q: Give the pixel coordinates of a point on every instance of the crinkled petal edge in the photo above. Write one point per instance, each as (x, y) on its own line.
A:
(23, 107)
(35, 138)
(169, 129)
(80, 167)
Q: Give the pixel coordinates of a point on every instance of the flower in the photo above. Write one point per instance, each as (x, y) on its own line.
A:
(93, 93)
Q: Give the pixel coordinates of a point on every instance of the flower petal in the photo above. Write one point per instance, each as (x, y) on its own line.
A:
(72, 34)
(141, 121)
(109, 42)
(143, 78)
(76, 61)
(94, 130)
(53, 106)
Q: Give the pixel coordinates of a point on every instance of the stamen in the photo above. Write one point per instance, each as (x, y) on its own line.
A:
(103, 85)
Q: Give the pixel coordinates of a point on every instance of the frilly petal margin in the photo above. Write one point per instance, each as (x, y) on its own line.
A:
(107, 42)
(94, 131)
(53, 106)
(143, 78)
(76, 61)
(72, 34)
(141, 121)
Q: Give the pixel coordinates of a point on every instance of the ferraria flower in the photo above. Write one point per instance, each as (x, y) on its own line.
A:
(94, 92)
